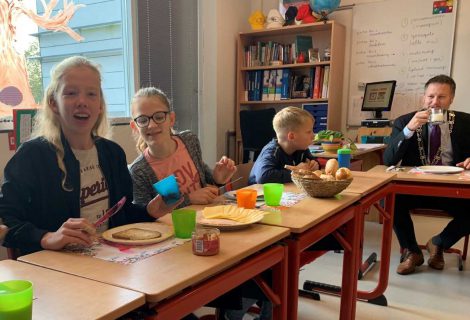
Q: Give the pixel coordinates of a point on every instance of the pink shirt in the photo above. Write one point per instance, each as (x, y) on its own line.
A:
(180, 164)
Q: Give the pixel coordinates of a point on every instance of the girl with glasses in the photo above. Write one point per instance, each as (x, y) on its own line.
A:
(165, 152)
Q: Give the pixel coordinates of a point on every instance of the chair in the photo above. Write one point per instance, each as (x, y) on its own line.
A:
(462, 254)
(243, 172)
(257, 130)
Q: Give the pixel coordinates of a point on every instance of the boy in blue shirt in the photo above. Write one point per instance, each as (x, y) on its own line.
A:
(294, 131)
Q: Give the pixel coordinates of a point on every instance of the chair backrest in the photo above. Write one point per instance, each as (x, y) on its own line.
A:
(257, 130)
(243, 171)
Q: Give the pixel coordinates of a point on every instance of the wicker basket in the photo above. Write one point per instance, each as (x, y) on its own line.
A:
(321, 188)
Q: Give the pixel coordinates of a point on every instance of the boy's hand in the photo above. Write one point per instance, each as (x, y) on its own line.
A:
(311, 165)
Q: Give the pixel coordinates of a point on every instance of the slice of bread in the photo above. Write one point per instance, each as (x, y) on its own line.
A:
(136, 234)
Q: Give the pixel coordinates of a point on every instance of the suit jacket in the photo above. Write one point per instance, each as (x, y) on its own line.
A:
(407, 150)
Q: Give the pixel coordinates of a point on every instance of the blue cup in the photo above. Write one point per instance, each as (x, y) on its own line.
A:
(344, 158)
(168, 189)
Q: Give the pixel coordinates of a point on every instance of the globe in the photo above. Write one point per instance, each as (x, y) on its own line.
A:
(322, 8)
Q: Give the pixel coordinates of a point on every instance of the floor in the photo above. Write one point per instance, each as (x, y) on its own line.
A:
(426, 295)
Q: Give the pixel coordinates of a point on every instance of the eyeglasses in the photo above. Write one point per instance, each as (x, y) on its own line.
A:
(158, 117)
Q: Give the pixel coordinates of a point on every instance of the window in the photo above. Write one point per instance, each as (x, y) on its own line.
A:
(164, 52)
(168, 54)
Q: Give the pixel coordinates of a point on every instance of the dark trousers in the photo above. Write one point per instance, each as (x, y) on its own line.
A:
(457, 228)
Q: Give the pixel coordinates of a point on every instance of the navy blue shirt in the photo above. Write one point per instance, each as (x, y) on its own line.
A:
(269, 167)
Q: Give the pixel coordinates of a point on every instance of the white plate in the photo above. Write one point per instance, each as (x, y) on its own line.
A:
(440, 169)
(224, 224)
(231, 195)
(164, 229)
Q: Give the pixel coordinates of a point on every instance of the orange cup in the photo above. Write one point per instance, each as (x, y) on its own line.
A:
(246, 198)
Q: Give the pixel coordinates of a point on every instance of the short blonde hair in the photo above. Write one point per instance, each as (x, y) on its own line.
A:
(46, 122)
(289, 119)
(148, 92)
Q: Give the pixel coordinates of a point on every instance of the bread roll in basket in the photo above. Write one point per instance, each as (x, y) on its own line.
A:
(320, 185)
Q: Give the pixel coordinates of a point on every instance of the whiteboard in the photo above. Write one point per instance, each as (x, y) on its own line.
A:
(398, 40)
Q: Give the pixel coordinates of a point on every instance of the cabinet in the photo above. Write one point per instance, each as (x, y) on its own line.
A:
(325, 35)
(364, 131)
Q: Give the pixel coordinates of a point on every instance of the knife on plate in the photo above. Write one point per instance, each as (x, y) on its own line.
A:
(111, 212)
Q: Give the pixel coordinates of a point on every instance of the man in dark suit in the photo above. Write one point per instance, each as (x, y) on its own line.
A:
(410, 146)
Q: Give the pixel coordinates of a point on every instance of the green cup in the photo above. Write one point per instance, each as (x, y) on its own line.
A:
(184, 222)
(16, 300)
(273, 193)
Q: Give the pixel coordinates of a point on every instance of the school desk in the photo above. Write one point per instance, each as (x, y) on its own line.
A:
(309, 221)
(176, 282)
(58, 295)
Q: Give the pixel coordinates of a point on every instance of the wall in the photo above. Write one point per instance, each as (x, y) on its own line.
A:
(460, 61)
(220, 23)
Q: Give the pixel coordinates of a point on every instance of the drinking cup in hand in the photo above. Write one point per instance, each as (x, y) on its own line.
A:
(184, 222)
(16, 300)
(246, 198)
(436, 116)
(168, 189)
(273, 193)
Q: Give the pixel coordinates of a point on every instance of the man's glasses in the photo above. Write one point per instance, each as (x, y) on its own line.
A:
(158, 117)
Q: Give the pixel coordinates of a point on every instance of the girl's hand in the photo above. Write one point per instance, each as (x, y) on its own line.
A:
(204, 195)
(158, 208)
(224, 170)
(74, 230)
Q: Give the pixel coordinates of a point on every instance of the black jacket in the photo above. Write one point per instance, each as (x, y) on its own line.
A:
(407, 150)
(33, 202)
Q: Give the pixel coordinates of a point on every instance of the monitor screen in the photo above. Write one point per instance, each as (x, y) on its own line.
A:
(378, 97)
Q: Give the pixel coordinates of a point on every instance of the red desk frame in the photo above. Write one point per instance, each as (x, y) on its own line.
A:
(274, 258)
(350, 218)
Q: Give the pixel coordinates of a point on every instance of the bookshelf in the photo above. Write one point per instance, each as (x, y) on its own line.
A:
(328, 34)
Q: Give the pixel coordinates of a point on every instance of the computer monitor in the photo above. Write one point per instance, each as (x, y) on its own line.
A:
(378, 97)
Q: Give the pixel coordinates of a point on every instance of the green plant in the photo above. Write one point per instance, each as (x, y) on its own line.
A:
(328, 135)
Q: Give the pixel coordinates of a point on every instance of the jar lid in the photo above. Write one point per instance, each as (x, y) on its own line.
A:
(344, 151)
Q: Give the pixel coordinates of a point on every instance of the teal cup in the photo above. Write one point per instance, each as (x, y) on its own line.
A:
(273, 193)
(16, 300)
(184, 222)
(168, 189)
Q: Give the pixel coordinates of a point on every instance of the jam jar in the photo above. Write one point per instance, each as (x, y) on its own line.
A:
(205, 241)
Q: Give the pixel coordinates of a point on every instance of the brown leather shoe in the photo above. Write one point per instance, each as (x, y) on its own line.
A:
(436, 256)
(410, 261)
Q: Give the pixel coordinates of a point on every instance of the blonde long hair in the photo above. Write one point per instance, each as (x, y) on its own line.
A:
(47, 124)
(148, 92)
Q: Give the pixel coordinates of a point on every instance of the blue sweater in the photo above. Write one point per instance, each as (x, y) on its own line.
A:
(269, 167)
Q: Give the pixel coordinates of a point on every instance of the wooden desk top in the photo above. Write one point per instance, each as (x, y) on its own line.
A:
(462, 178)
(63, 296)
(367, 182)
(167, 273)
(361, 150)
(310, 211)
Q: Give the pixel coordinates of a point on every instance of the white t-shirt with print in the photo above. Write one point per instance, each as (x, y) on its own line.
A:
(93, 187)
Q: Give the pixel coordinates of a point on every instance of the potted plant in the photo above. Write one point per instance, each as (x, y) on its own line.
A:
(328, 136)
(332, 140)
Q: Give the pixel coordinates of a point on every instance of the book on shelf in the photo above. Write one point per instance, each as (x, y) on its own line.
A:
(277, 91)
(272, 84)
(316, 83)
(326, 80)
(265, 95)
(302, 44)
(286, 83)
